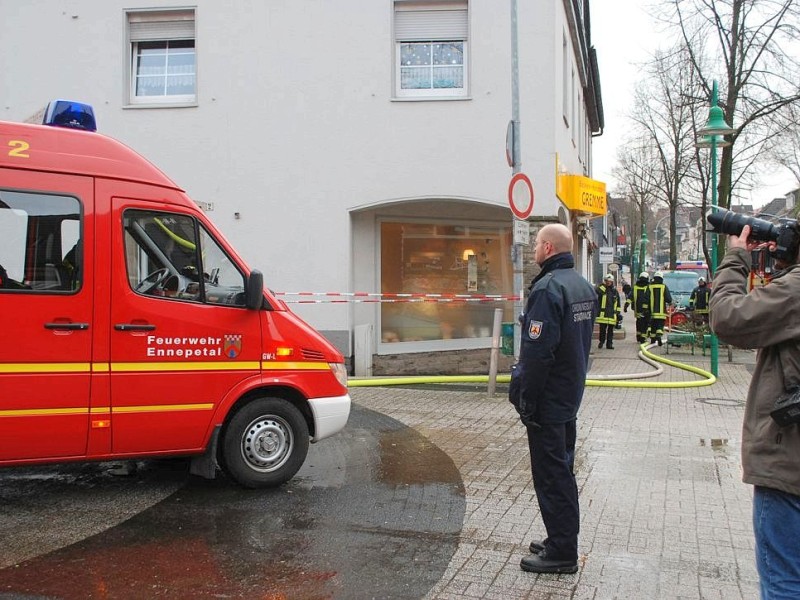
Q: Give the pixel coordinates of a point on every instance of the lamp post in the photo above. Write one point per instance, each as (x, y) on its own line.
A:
(642, 248)
(712, 133)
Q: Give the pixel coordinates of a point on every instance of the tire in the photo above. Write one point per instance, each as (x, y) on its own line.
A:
(679, 318)
(265, 443)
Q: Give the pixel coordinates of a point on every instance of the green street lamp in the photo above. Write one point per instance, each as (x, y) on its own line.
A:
(712, 133)
(642, 250)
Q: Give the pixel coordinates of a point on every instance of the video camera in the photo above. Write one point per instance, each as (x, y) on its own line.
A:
(786, 233)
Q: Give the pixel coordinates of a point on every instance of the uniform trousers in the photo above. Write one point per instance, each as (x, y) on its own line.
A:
(552, 449)
(607, 334)
(642, 325)
(656, 327)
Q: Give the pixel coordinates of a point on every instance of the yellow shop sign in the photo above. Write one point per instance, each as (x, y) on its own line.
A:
(581, 194)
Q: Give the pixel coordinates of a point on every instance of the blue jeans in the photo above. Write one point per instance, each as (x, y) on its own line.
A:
(776, 524)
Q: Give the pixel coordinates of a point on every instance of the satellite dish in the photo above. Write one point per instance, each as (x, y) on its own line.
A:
(562, 216)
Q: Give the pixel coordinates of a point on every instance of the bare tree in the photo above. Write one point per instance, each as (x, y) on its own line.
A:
(785, 146)
(752, 46)
(636, 173)
(663, 112)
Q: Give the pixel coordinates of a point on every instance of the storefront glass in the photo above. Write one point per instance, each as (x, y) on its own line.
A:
(439, 258)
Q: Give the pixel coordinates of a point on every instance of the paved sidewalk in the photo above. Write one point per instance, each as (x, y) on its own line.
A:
(664, 513)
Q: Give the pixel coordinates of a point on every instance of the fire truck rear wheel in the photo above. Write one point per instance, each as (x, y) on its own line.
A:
(265, 443)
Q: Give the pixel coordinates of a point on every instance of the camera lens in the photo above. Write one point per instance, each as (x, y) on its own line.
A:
(731, 223)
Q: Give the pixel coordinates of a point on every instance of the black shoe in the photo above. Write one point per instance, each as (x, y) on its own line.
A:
(600, 345)
(609, 346)
(537, 546)
(658, 341)
(541, 563)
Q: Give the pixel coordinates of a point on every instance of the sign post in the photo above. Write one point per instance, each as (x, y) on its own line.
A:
(520, 200)
(520, 196)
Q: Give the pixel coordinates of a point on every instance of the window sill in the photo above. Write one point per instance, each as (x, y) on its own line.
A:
(428, 98)
(162, 105)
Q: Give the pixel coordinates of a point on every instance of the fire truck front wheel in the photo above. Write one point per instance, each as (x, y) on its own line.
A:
(265, 443)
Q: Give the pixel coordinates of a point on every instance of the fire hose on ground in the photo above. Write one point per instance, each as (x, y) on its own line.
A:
(631, 380)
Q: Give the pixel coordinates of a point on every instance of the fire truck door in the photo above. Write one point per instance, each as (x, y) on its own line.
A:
(46, 297)
(181, 337)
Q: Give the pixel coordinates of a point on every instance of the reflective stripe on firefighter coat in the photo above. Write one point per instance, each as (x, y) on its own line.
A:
(659, 299)
(641, 299)
(608, 297)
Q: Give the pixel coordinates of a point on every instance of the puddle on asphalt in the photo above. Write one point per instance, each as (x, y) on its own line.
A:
(412, 460)
(373, 504)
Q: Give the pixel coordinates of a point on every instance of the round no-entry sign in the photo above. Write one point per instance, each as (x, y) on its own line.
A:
(520, 196)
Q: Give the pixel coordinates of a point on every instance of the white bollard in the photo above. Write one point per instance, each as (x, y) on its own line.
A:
(498, 322)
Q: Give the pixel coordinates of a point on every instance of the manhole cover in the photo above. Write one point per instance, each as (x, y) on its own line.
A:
(721, 401)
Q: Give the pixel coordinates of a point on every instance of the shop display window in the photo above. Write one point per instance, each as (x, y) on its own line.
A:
(438, 258)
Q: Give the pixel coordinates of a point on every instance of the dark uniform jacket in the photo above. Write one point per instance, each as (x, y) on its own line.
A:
(768, 318)
(548, 381)
(660, 298)
(641, 298)
(608, 298)
(699, 299)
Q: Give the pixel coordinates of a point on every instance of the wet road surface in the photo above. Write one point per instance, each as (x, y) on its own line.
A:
(375, 512)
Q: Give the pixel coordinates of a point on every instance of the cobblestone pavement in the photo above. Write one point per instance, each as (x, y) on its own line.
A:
(664, 513)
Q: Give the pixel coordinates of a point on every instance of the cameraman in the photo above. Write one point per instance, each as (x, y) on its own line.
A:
(767, 319)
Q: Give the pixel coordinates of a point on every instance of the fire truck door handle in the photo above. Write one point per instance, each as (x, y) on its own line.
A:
(67, 326)
(133, 327)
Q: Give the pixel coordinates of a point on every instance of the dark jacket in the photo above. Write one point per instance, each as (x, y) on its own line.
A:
(768, 319)
(641, 298)
(608, 299)
(699, 299)
(548, 381)
(660, 298)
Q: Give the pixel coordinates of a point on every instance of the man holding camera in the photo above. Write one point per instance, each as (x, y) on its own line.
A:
(767, 319)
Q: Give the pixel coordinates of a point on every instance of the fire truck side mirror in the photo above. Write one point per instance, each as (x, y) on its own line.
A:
(254, 294)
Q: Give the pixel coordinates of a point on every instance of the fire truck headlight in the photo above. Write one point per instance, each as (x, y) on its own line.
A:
(340, 372)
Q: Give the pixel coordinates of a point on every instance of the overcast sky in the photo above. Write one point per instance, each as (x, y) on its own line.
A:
(625, 35)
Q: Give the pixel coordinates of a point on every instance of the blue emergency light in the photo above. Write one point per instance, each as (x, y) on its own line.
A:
(66, 113)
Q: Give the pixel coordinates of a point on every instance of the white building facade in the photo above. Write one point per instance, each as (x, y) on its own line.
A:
(347, 147)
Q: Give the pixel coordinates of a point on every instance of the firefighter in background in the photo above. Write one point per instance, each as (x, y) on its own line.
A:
(608, 299)
(639, 298)
(660, 299)
(698, 301)
(627, 290)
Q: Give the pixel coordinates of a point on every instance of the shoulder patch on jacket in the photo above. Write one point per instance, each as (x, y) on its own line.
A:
(535, 330)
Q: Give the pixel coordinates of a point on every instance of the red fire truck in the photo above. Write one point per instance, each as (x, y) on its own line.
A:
(132, 327)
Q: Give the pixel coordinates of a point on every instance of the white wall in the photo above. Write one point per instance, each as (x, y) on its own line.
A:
(295, 125)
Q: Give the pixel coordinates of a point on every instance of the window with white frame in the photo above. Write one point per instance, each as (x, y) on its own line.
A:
(163, 67)
(430, 48)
